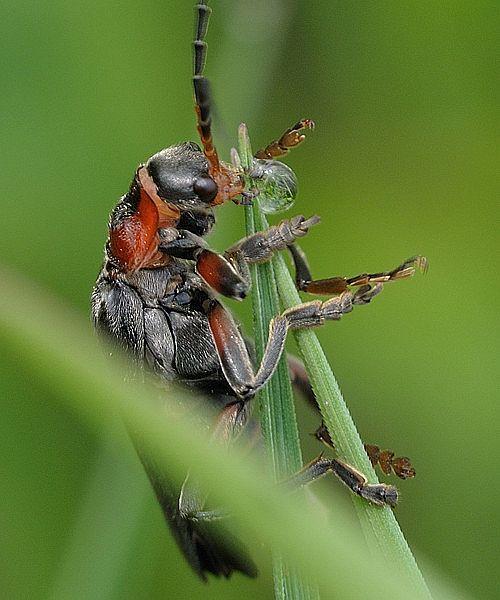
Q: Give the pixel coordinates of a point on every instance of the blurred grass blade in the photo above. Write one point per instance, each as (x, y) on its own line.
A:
(83, 572)
(51, 343)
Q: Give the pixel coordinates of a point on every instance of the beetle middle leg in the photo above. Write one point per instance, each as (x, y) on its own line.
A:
(233, 353)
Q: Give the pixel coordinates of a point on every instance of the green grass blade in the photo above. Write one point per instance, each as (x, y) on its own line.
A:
(277, 409)
(380, 526)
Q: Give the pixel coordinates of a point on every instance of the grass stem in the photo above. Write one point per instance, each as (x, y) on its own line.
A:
(381, 529)
(277, 409)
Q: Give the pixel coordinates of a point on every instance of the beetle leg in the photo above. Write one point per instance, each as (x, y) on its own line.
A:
(230, 422)
(229, 275)
(261, 246)
(232, 351)
(180, 243)
(291, 138)
(207, 543)
(376, 493)
(206, 516)
(233, 354)
(300, 380)
(400, 465)
(370, 284)
(192, 498)
(388, 463)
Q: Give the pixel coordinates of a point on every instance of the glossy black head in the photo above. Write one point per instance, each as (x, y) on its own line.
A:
(181, 176)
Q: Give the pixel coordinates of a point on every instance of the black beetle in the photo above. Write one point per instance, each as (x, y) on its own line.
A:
(156, 296)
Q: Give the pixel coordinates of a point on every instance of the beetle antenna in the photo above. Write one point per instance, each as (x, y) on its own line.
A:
(202, 85)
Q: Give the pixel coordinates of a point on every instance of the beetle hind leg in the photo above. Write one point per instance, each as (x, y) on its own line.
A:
(207, 542)
(376, 493)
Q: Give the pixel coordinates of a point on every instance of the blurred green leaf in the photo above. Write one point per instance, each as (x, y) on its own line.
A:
(55, 346)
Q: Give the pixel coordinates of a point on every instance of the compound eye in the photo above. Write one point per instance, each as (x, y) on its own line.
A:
(206, 188)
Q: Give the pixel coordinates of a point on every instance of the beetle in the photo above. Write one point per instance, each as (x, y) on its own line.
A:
(157, 296)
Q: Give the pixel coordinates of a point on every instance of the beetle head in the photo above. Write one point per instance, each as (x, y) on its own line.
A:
(180, 174)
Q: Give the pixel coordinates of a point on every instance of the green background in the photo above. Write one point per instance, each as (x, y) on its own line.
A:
(402, 162)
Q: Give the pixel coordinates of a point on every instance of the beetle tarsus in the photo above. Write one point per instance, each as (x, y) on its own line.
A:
(290, 138)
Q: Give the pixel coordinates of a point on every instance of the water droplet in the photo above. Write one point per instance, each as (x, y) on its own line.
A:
(277, 185)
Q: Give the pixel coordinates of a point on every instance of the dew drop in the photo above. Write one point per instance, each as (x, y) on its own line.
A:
(277, 185)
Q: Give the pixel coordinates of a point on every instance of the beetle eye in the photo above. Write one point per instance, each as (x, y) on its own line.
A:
(206, 188)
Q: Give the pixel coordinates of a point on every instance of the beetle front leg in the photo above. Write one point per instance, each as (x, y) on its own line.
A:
(291, 137)
(229, 275)
(261, 246)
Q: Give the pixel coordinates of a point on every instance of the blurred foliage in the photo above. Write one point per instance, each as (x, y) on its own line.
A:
(402, 162)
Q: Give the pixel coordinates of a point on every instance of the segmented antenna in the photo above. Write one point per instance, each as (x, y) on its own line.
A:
(202, 86)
